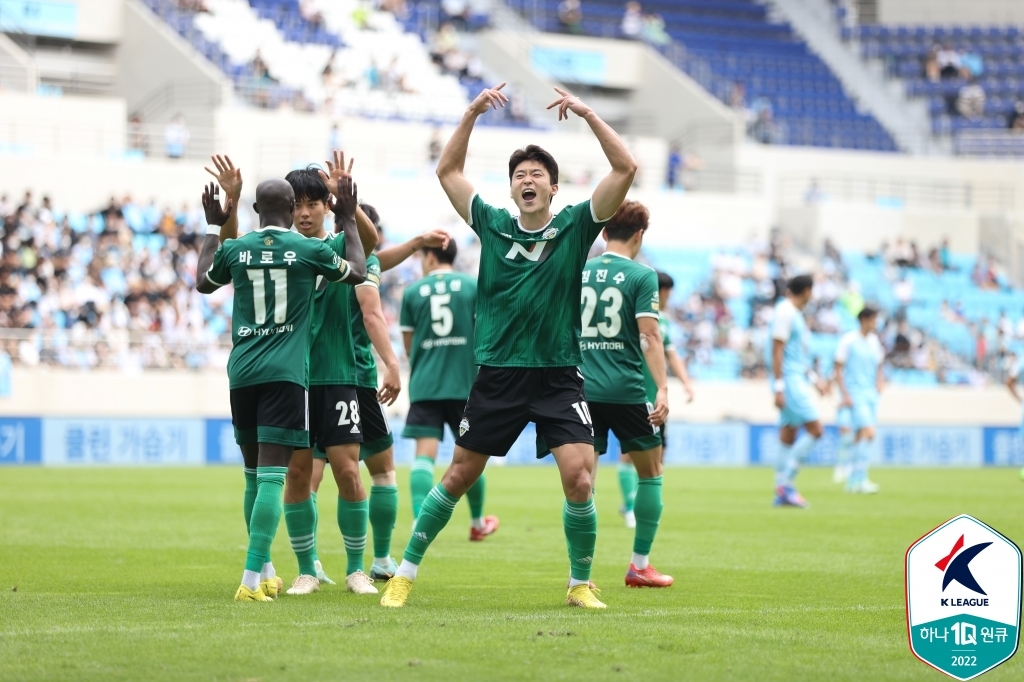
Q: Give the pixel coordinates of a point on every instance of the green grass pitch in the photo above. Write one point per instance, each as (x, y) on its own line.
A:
(128, 574)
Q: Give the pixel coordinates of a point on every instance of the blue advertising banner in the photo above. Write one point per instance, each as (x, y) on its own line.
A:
(20, 439)
(130, 442)
(570, 66)
(39, 17)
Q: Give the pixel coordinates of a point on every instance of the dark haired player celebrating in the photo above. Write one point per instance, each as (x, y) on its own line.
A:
(619, 310)
(437, 320)
(527, 334)
(274, 273)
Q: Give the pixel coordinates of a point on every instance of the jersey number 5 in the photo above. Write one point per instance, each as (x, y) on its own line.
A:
(441, 314)
(612, 324)
(279, 277)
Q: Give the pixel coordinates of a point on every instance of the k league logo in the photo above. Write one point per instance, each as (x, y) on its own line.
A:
(963, 589)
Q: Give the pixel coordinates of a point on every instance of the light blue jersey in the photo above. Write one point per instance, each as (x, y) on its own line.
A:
(1017, 371)
(790, 328)
(861, 357)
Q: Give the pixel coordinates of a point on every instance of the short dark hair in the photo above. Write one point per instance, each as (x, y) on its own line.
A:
(800, 284)
(665, 281)
(631, 218)
(532, 152)
(308, 185)
(372, 214)
(446, 255)
(866, 312)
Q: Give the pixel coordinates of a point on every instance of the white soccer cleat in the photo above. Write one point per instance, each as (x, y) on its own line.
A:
(630, 519)
(304, 584)
(869, 487)
(841, 473)
(360, 583)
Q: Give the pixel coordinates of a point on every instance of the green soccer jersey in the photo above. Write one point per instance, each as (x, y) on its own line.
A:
(439, 310)
(529, 283)
(616, 291)
(366, 366)
(666, 340)
(274, 273)
(332, 357)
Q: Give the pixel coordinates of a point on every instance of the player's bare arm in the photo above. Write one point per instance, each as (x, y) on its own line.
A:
(392, 257)
(215, 215)
(611, 191)
(678, 367)
(230, 180)
(840, 382)
(346, 203)
(337, 170)
(452, 163)
(654, 354)
(377, 330)
(778, 348)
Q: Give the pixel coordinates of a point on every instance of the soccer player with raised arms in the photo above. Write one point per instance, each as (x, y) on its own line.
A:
(437, 319)
(791, 369)
(274, 273)
(619, 310)
(527, 334)
(858, 373)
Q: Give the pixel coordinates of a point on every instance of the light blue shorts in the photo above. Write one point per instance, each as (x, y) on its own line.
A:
(865, 411)
(800, 408)
(844, 417)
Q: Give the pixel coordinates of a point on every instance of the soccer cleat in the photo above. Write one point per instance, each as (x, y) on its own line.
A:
(787, 496)
(584, 597)
(304, 584)
(396, 592)
(841, 473)
(272, 586)
(384, 572)
(864, 487)
(245, 594)
(648, 577)
(359, 583)
(320, 575)
(490, 526)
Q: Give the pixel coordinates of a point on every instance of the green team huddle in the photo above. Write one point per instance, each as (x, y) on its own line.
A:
(542, 335)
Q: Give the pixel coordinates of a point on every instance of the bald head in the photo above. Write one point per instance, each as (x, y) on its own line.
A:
(275, 203)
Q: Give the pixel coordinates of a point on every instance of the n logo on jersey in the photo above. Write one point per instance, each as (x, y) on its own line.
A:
(534, 253)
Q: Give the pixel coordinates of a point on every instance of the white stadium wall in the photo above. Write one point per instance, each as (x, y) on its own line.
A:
(950, 12)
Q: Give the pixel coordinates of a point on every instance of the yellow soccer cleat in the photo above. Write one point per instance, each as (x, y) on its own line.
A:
(396, 592)
(272, 586)
(584, 597)
(245, 594)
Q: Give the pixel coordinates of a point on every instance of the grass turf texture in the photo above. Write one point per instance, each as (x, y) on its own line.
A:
(129, 574)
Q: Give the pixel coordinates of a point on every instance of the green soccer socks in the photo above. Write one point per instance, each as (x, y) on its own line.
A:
(648, 514)
(352, 518)
(421, 480)
(266, 515)
(475, 496)
(580, 522)
(627, 484)
(300, 520)
(435, 514)
(249, 497)
(383, 512)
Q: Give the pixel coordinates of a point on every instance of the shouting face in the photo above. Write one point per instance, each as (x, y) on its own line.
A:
(531, 188)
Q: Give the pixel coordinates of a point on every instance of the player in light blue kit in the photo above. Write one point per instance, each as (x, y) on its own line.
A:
(792, 385)
(844, 422)
(1017, 377)
(858, 373)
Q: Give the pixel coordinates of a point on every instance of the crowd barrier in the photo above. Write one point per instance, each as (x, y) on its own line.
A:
(50, 441)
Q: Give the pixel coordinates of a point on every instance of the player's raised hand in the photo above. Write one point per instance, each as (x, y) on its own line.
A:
(780, 400)
(215, 215)
(568, 102)
(229, 177)
(436, 239)
(489, 98)
(392, 386)
(346, 197)
(659, 414)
